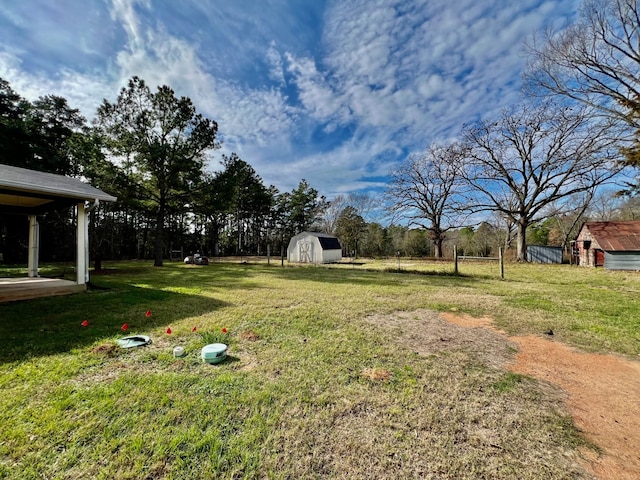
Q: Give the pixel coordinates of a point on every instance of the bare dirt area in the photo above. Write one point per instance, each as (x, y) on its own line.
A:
(603, 395)
(602, 391)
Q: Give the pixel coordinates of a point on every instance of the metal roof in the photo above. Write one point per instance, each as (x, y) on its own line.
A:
(618, 236)
(31, 191)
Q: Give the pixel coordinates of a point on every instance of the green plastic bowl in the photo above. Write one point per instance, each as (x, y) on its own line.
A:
(214, 353)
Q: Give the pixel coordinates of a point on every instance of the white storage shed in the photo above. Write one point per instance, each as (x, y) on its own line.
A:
(314, 247)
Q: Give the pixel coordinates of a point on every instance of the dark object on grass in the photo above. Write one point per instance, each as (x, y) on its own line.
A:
(134, 341)
(196, 259)
(549, 332)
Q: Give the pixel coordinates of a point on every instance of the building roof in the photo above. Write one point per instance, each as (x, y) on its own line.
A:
(327, 242)
(31, 191)
(616, 236)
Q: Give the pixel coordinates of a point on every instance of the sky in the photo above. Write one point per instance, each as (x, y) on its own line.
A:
(337, 92)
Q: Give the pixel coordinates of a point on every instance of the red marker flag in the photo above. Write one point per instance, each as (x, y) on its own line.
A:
(169, 330)
(85, 323)
(148, 313)
(194, 328)
(224, 330)
(125, 327)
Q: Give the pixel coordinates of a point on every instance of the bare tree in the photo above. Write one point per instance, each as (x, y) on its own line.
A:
(362, 203)
(567, 221)
(595, 61)
(331, 210)
(534, 157)
(604, 206)
(630, 209)
(427, 190)
(505, 229)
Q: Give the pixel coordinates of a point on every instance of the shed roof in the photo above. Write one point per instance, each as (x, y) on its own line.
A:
(30, 191)
(327, 242)
(617, 236)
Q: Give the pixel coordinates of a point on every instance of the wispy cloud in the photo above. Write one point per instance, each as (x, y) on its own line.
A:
(124, 12)
(335, 92)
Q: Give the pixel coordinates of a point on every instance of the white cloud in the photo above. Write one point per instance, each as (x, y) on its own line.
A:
(124, 11)
(276, 70)
(82, 91)
(387, 77)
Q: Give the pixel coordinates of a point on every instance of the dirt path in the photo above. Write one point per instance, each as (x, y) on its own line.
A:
(603, 395)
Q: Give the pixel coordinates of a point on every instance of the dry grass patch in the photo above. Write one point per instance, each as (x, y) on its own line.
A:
(376, 374)
(105, 349)
(425, 332)
(250, 336)
(441, 419)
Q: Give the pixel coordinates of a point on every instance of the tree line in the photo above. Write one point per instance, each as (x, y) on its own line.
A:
(150, 149)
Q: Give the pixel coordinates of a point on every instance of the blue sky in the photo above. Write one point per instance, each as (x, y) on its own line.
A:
(336, 92)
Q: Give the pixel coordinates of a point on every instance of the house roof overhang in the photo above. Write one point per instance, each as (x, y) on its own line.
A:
(24, 191)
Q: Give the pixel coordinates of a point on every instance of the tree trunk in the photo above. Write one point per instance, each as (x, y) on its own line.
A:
(521, 240)
(437, 247)
(159, 243)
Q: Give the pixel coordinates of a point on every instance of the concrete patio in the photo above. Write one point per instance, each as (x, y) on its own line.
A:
(24, 288)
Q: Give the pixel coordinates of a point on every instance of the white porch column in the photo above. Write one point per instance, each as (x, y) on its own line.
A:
(34, 246)
(82, 253)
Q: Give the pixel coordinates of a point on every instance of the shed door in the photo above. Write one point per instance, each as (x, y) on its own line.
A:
(305, 251)
(599, 258)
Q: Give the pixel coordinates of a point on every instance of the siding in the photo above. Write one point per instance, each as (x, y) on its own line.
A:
(622, 260)
(311, 247)
(544, 254)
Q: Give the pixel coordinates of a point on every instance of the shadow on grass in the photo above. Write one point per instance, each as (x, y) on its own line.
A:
(363, 276)
(126, 291)
(55, 325)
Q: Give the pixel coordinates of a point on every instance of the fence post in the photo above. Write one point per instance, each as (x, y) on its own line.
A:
(501, 262)
(455, 260)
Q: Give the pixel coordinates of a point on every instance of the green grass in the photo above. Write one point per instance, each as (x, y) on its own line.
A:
(291, 401)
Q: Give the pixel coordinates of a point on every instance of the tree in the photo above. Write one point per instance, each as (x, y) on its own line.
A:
(15, 144)
(536, 156)
(375, 242)
(630, 209)
(567, 222)
(39, 135)
(427, 190)
(52, 125)
(330, 210)
(163, 141)
(237, 193)
(538, 232)
(595, 61)
(298, 210)
(605, 206)
(350, 228)
(415, 242)
(87, 148)
(330, 213)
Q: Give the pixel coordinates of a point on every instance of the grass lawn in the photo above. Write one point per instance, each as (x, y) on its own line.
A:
(311, 389)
